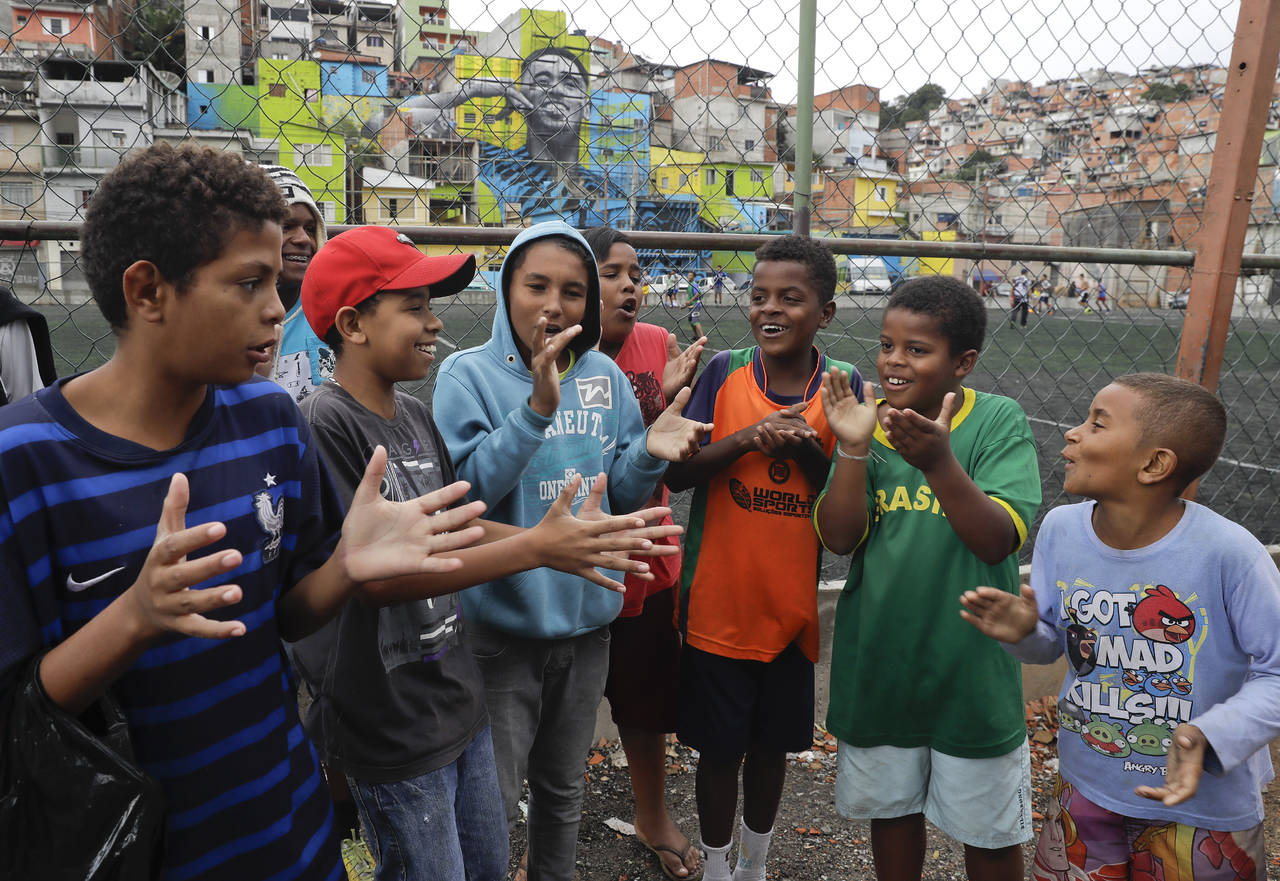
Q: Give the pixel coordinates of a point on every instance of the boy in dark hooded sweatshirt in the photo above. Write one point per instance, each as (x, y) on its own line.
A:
(523, 414)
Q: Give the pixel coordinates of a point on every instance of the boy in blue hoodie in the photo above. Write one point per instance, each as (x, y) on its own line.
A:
(1168, 614)
(533, 408)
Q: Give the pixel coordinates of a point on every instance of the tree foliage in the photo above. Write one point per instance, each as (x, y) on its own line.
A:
(153, 30)
(1166, 93)
(909, 108)
(978, 159)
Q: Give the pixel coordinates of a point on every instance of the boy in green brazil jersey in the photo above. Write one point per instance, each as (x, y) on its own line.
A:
(932, 488)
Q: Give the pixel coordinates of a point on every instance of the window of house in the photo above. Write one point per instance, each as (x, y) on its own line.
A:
(748, 146)
(22, 22)
(18, 195)
(757, 176)
(311, 95)
(276, 90)
(714, 143)
(368, 76)
(375, 41)
(882, 194)
(728, 183)
(666, 181)
(391, 208)
(327, 211)
(84, 196)
(204, 32)
(468, 118)
(55, 26)
(709, 177)
(313, 154)
(204, 76)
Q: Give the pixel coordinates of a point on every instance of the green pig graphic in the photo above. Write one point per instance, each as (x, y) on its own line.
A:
(1105, 737)
(1151, 738)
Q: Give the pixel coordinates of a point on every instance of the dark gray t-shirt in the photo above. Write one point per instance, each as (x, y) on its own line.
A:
(397, 692)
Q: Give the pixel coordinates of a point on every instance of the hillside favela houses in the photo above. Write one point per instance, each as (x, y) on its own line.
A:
(397, 113)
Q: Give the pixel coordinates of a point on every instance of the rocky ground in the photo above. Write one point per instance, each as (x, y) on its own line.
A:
(812, 843)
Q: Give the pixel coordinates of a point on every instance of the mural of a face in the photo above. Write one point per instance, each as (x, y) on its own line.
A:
(554, 87)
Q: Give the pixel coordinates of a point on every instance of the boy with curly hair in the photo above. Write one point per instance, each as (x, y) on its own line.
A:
(748, 601)
(182, 248)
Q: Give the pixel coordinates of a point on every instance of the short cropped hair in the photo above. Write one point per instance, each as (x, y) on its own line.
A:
(1182, 416)
(962, 318)
(603, 238)
(815, 256)
(176, 207)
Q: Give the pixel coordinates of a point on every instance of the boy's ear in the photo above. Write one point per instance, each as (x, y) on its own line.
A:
(965, 362)
(347, 321)
(827, 312)
(1160, 465)
(146, 291)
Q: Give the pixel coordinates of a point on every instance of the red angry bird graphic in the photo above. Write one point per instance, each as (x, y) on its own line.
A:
(1161, 616)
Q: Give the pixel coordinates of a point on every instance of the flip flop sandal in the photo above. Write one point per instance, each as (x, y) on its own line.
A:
(659, 849)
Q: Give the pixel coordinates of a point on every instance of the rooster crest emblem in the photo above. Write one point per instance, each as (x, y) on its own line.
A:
(271, 519)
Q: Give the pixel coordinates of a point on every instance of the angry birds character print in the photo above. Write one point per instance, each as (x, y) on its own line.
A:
(1162, 617)
(1082, 645)
(1105, 737)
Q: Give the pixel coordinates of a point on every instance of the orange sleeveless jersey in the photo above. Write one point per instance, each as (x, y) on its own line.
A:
(748, 587)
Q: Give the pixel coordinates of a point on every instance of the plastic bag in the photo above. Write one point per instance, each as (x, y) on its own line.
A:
(73, 805)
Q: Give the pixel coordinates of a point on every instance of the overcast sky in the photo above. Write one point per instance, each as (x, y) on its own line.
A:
(898, 45)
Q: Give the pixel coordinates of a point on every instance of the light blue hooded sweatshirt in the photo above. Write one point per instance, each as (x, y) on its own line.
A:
(518, 461)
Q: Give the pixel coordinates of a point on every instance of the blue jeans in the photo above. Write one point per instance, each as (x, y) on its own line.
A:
(542, 696)
(447, 825)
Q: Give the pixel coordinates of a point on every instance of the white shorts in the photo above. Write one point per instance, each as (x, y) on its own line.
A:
(983, 803)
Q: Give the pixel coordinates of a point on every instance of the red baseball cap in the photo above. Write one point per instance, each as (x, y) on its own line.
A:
(353, 266)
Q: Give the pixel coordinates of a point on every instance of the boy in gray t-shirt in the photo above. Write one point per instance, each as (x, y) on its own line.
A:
(399, 704)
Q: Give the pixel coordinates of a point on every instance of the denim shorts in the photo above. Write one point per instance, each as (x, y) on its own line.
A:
(983, 803)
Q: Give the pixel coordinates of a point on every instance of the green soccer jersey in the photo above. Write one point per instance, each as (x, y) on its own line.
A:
(906, 670)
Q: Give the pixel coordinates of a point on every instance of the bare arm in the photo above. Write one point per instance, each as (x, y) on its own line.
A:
(380, 540)
(984, 525)
(573, 544)
(841, 515)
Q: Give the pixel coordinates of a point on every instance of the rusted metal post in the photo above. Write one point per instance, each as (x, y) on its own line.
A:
(1229, 197)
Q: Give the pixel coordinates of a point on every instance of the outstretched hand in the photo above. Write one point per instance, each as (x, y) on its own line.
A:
(383, 539)
(921, 441)
(852, 421)
(999, 614)
(578, 545)
(673, 437)
(681, 366)
(164, 600)
(1183, 767)
(542, 364)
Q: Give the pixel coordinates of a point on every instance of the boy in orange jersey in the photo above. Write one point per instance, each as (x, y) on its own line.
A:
(748, 590)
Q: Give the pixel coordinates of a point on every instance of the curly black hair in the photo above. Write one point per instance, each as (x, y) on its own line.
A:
(815, 256)
(962, 318)
(176, 207)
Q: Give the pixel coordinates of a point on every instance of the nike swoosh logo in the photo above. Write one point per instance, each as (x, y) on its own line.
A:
(77, 586)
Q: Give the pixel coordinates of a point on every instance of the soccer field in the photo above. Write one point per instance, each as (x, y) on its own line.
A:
(1052, 368)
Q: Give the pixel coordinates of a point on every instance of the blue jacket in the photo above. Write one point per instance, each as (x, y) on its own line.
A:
(518, 461)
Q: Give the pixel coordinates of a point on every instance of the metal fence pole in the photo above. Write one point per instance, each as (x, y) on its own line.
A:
(1230, 191)
(804, 118)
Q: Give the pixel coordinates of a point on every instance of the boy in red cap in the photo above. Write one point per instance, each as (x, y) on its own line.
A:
(399, 703)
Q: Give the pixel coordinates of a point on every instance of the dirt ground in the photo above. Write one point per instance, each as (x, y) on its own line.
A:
(811, 842)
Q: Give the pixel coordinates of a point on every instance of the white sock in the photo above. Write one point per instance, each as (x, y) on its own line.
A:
(753, 850)
(716, 863)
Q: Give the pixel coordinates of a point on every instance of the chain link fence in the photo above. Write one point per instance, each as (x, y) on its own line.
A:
(1071, 141)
